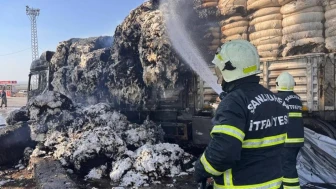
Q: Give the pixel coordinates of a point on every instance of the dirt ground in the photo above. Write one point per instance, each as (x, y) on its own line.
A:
(16, 179)
(12, 104)
(24, 179)
(182, 182)
(16, 102)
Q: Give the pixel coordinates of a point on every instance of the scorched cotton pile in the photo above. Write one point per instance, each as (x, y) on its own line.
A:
(149, 163)
(97, 142)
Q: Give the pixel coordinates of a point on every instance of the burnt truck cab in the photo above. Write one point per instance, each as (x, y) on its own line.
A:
(39, 75)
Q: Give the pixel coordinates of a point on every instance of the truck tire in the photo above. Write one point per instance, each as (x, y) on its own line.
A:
(331, 43)
(303, 18)
(299, 5)
(257, 20)
(231, 20)
(330, 14)
(267, 40)
(317, 40)
(302, 27)
(257, 4)
(268, 47)
(301, 35)
(265, 12)
(235, 25)
(330, 22)
(271, 24)
(311, 9)
(235, 31)
(265, 33)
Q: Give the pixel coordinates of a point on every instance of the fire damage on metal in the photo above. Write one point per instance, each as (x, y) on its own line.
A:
(104, 107)
(128, 111)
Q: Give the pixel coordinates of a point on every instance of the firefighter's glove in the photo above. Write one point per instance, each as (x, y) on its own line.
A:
(200, 174)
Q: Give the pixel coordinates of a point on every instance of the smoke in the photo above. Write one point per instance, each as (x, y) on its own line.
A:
(177, 16)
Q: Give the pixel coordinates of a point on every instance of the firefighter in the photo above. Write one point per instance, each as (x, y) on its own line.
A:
(295, 134)
(249, 125)
(3, 98)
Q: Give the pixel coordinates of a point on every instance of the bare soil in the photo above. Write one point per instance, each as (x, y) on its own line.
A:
(12, 104)
(19, 179)
(182, 182)
(24, 179)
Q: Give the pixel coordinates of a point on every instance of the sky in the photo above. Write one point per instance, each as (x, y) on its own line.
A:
(59, 20)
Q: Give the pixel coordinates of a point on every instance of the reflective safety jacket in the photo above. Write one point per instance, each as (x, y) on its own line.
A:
(295, 130)
(247, 139)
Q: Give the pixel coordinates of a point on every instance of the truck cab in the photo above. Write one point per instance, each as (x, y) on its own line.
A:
(39, 80)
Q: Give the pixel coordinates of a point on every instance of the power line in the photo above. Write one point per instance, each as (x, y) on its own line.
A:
(15, 52)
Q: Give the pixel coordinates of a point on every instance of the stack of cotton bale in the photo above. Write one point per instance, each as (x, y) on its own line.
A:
(206, 36)
(232, 7)
(265, 31)
(259, 4)
(209, 3)
(330, 25)
(284, 2)
(213, 38)
(302, 27)
(206, 8)
(235, 24)
(234, 27)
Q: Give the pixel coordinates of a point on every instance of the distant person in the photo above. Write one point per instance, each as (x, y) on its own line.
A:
(3, 98)
(295, 133)
(249, 126)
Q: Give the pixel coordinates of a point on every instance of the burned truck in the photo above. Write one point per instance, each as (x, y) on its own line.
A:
(305, 49)
(39, 75)
(185, 115)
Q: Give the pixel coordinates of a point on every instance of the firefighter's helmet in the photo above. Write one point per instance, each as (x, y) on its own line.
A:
(285, 82)
(236, 59)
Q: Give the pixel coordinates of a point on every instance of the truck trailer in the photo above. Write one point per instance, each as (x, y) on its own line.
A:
(186, 115)
(314, 75)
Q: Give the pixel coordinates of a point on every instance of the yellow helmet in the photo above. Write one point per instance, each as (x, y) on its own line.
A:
(236, 59)
(285, 82)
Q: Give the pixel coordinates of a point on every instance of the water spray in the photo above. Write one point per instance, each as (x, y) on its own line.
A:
(175, 20)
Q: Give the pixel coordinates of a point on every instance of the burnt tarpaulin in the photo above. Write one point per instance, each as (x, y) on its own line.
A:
(317, 159)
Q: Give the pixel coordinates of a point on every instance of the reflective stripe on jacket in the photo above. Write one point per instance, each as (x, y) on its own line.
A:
(295, 131)
(247, 138)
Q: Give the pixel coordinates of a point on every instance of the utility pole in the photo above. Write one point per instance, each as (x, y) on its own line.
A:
(33, 14)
